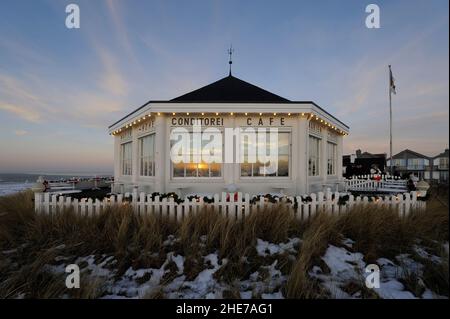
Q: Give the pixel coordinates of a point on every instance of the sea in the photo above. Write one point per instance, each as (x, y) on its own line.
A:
(11, 183)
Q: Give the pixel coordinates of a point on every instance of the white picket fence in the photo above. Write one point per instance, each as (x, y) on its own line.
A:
(225, 204)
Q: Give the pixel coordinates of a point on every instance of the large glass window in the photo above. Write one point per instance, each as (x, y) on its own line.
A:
(314, 156)
(331, 158)
(196, 166)
(253, 166)
(126, 158)
(415, 163)
(443, 163)
(147, 155)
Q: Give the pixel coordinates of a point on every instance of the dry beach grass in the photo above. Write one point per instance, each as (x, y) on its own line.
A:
(30, 242)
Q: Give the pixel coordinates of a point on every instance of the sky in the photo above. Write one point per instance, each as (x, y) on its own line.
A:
(60, 88)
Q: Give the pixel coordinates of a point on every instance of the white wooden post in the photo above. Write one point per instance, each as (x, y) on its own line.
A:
(239, 206)
(141, 209)
(90, 207)
(247, 205)
(171, 208)
(75, 205)
(54, 204)
(47, 203)
(97, 206)
(83, 207)
(314, 203)
(216, 203)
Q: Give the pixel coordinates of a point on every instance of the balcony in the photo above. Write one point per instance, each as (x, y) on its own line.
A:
(416, 167)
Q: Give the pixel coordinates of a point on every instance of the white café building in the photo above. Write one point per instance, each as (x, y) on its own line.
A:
(310, 143)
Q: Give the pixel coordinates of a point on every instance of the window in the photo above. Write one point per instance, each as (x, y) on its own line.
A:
(415, 163)
(147, 155)
(399, 162)
(331, 158)
(201, 169)
(258, 168)
(314, 156)
(443, 163)
(126, 158)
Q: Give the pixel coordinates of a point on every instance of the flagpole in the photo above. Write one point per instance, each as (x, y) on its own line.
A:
(390, 121)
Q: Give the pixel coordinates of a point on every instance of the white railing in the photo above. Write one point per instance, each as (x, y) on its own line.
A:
(371, 176)
(383, 183)
(226, 204)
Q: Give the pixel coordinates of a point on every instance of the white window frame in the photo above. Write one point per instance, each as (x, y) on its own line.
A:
(151, 157)
(333, 159)
(126, 165)
(318, 157)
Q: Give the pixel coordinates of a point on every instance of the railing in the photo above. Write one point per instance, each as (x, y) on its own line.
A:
(384, 183)
(234, 205)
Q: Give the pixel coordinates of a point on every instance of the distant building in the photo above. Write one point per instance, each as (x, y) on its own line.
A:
(407, 162)
(440, 168)
(433, 169)
(361, 163)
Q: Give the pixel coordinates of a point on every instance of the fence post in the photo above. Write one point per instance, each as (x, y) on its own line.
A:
(90, 207)
(68, 202)
(247, 205)
(97, 206)
(407, 203)
(134, 198)
(239, 206)
(171, 208)
(75, 205)
(314, 203)
(141, 210)
(37, 202)
(216, 203)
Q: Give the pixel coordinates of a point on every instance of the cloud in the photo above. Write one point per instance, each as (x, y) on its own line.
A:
(22, 112)
(20, 132)
(111, 80)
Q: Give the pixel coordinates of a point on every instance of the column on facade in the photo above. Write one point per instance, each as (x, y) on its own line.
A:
(117, 162)
(302, 140)
(162, 154)
(323, 154)
(134, 156)
(339, 155)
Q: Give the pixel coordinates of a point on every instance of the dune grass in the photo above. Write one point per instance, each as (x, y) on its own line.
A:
(32, 241)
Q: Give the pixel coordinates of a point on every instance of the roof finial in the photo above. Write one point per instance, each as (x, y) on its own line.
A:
(230, 53)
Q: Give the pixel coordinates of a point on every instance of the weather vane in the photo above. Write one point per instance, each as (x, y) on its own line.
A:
(230, 53)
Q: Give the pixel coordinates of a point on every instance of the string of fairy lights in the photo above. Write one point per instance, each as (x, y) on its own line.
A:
(309, 116)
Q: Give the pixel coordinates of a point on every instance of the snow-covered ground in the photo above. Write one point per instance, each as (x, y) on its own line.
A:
(341, 268)
(347, 267)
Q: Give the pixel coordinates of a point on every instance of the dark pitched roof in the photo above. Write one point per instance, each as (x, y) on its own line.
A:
(409, 154)
(371, 155)
(230, 89)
